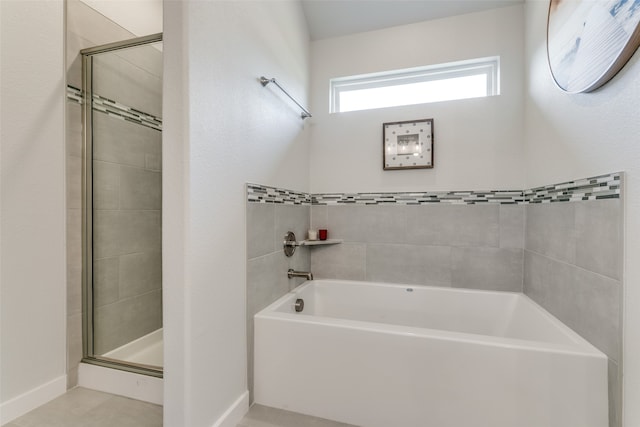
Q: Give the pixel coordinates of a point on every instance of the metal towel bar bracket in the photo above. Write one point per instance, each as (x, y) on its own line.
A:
(265, 81)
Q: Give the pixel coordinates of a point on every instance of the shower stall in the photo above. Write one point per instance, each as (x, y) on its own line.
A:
(122, 216)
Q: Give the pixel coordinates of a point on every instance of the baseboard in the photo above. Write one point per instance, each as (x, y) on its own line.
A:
(20, 405)
(128, 384)
(235, 412)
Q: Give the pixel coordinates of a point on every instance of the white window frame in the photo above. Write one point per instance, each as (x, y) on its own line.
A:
(489, 66)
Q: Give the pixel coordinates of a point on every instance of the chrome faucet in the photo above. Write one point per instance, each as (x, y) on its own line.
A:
(306, 274)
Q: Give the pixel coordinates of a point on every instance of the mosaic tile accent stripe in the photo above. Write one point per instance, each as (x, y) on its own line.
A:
(452, 197)
(595, 188)
(257, 193)
(116, 109)
(599, 187)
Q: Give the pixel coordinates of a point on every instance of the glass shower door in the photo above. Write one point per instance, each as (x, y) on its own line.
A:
(123, 205)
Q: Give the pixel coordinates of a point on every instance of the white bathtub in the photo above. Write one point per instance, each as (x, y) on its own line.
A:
(383, 355)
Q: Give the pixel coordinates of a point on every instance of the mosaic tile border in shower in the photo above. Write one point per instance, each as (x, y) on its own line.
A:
(257, 193)
(116, 109)
(595, 188)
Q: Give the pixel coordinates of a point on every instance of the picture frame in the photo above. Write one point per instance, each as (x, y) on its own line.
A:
(407, 145)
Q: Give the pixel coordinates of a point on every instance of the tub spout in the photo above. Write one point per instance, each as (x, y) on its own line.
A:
(306, 274)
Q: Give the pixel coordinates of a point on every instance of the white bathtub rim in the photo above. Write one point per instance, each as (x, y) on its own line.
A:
(580, 346)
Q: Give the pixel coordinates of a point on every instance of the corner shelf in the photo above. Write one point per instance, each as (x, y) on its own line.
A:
(320, 242)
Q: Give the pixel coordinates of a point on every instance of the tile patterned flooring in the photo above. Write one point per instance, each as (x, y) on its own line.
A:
(263, 416)
(81, 407)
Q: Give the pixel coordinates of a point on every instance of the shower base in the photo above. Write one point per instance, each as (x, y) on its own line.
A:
(146, 350)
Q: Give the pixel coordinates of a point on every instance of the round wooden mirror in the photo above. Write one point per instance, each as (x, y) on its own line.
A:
(588, 41)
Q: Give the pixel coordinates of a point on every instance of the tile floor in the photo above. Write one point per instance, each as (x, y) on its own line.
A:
(263, 416)
(81, 407)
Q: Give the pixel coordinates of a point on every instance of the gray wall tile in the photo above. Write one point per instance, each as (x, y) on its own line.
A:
(123, 142)
(587, 302)
(416, 265)
(106, 185)
(139, 231)
(260, 229)
(453, 225)
(596, 299)
(105, 240)
(320, 217)
(140, 189)
(105, 281)
(550, 230)
(598, 226)
(139, 273)
(114, 78)
(343, 261)
(290, 218)
(371, 224)
(126, 320)
(74, 340)
(267, 264)
(512, 219)
(73, 130)
(74, 182)
(487, 268)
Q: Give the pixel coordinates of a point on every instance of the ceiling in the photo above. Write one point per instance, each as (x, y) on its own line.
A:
(332, 18)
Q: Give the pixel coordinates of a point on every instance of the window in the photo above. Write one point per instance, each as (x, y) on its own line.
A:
(442, 82)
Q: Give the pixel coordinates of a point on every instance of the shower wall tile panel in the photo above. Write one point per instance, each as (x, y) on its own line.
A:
(106, 274)
(268, 219)
(114, 77)
(140, 189)
(106, 185)
(124, 142)
(125, 320)
(132, 145)
(139, 273)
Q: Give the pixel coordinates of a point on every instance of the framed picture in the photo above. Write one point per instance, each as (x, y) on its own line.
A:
(407, 145)
(588, 42)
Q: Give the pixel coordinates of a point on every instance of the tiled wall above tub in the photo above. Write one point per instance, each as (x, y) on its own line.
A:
(470, 246)
(271, 212)
(573, 268)
(561, 244)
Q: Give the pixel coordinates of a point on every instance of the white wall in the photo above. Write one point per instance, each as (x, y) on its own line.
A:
(573, 136)
(32, 227)
(478, 142)
(221, 129)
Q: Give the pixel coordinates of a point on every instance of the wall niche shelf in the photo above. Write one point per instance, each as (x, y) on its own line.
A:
(290, 243)
(320, 242)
